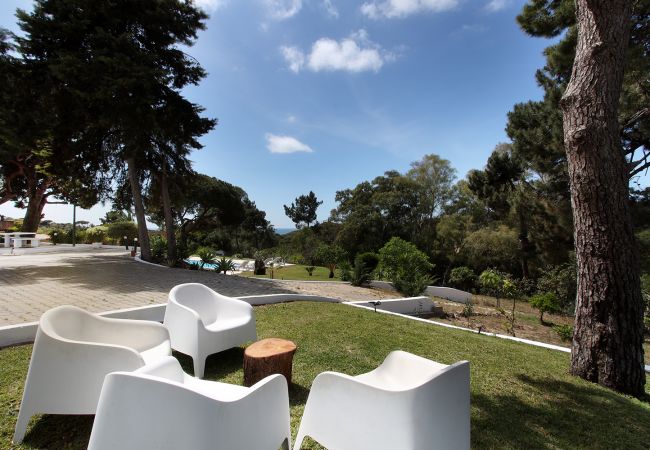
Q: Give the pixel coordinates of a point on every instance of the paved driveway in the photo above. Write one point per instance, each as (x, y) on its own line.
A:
(109, 279)
(100, 280)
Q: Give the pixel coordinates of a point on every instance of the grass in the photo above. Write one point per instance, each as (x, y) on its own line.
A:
(522, 396)
(297, 272)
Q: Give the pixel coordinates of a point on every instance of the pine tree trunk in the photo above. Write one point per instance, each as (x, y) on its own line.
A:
(36, 203)
(169, 220)
(143, 234)
(608, 334)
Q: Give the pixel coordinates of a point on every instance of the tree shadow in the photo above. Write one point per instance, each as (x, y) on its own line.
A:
(562, 415)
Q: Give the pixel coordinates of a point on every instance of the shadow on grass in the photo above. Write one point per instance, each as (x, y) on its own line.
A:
(563, 415)
(60, 432)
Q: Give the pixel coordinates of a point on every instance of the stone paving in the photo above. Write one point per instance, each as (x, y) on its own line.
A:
(108, 279)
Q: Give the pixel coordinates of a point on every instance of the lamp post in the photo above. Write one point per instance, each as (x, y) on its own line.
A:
(126, 242)
(74, 222)
(135, 245)
(56, 236)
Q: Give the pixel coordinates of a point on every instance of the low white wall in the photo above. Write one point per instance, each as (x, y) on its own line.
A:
(454, 295)
(411, 305)
(26, 332)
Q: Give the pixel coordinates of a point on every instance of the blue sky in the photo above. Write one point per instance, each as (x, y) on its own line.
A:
(323, 94)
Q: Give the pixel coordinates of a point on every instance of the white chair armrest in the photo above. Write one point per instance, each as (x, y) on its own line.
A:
(138, 334)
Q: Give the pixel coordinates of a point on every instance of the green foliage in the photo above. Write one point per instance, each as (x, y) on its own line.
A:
(310, 270)
(118, 230)
(96, 234)
(260, 267)
(562, 281)
(564, 331)
(360, 275)
(405, 266)
(491, 282)
(206, 255)
(158, 249)
(345, 270)
(643, 240)
(645, 290)
(303, 211)
(492, 247)
(329, 256)
(462, 278)
(115, 216)
(224, 265)
(545, 303)
(369, 260)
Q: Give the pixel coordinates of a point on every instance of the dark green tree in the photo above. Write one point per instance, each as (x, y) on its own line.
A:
(302, 212)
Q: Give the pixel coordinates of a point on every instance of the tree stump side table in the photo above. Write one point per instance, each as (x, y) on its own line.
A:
(266, 357)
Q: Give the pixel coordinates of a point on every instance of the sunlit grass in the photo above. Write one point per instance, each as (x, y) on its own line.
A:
(522, 396)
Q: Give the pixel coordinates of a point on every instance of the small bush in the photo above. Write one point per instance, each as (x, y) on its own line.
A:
(118, 230)
(310, 270)
(546, 303)
(260, 267)
(360, 275)
(224, 265)
(345, 270)
(370, 260)
(562, 281)
(206, 255)
(462, 278)
(405, 266)
(564, 331)
(158, 246)
(96, 234)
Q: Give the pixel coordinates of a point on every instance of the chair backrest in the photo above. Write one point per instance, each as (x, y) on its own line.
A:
(197, 297)
(72, 323)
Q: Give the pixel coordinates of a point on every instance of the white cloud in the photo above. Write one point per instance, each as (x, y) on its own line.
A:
(283, 9)
(285, 144)
(401, 8)
(294, 56)
(210, 5)
(356, 53)
(331, 10)
(497, 5)
(292, 119)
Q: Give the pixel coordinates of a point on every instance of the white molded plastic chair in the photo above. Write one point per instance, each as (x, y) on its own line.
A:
(202, 322)
(161, 407)
(74, 350)
(407, 403)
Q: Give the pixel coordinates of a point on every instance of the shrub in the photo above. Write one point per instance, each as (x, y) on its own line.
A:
(158, 246)
(330, 256)
(345, 270)
(260, 267)
(462, 278)
(118, 230)
(206, 255)
(491, 282)
(405, 266)
(546, 303)
(224, 265)
(562, 281)
(359, 275)
(96, 234)
(310, 270)
(645, 290)
(369, 260)
(564, 331)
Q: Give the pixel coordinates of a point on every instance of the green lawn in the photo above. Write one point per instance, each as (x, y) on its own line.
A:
(522, 396)
(298, 272)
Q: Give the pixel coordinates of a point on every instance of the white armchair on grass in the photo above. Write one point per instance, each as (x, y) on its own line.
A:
(161, 407)
(407, 403)
(202, 322)
(73, 351)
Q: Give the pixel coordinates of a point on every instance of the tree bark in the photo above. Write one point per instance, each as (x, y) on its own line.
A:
(169, 219)
(143, 234)
(35, 205)
(608, 334)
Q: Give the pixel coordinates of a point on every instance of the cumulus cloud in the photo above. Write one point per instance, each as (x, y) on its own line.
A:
(356, 53)
(283, 9)
(497, 5)
(285, 144)
(401, 8)
(210, 5)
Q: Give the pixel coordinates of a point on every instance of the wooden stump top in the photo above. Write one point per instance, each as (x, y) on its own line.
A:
(269, 347)
(266, 357)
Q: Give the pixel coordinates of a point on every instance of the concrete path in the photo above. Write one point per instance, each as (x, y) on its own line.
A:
(108, 279)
